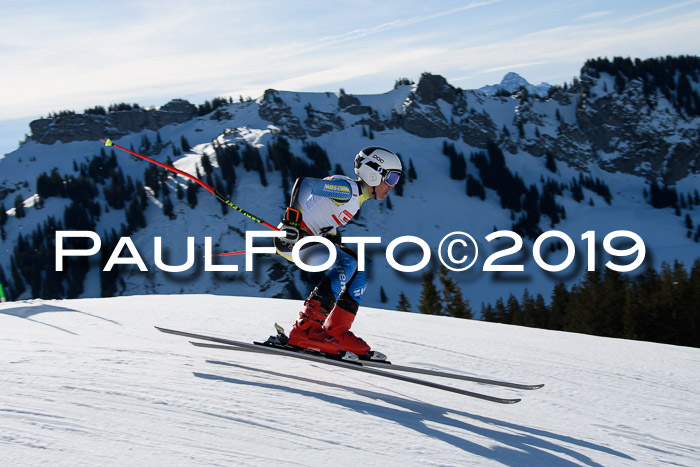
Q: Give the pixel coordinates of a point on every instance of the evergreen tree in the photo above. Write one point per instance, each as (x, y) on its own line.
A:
(650, 306)
(19, 207)
(550, 163)
(629, 316)
(455, 304)
(404, 304)
(168, 208)
(501, 313)
(577, 191)
(584, 301)
(3, 215)
(117, 192)
(488, 313)
(319, 156)
(475, 188)
(206, 164)
(691, 314)
(135, 219)
(192, 194)
(429, 302)
(608, 315)
(541, 312)
(184, 143)
(458, 163)
(253, 161)
(412, 174)
(558, 307)
(512, 309)
(526, 315)
(151, 178)
(18, 283)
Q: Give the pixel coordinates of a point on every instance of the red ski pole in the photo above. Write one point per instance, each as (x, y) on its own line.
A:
(211, 190)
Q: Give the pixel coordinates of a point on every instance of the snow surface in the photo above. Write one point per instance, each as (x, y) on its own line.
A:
(91, 382)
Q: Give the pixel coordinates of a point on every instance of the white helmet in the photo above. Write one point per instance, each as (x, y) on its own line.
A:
(375, 164)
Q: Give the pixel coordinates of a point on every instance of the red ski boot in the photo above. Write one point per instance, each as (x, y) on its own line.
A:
(339, 322)
(308, 331)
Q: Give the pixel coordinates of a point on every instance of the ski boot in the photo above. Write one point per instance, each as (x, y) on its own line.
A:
(339, 322)
(308, 331)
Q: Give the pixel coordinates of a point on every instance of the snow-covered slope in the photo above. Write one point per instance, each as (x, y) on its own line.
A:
(91, 382)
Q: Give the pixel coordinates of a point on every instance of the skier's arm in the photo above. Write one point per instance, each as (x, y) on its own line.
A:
(338, 190)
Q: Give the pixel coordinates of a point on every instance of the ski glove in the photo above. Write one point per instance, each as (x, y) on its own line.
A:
(291, 225)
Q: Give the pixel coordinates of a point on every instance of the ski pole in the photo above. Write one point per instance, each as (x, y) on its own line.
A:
(211, 190)
(242, 252)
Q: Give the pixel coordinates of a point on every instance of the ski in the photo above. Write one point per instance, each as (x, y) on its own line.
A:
(403, 368)
(339, 362)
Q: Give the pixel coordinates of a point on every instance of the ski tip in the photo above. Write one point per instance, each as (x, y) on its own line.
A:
(108, 142)
(528, 387)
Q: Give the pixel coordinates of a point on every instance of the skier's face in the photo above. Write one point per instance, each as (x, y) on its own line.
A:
(382, 191)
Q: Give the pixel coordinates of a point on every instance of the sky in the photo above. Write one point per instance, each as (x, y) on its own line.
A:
(76, 54)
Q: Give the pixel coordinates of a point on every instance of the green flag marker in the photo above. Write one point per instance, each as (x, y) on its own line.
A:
(2, 294)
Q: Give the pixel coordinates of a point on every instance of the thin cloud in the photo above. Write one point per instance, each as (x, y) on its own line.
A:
(659, 11)
(361, 33)
(515, 66)
(594, 15)
(166, 54)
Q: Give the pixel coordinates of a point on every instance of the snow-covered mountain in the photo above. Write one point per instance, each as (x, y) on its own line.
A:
(512, 83)
(91, 382)
(602, 132)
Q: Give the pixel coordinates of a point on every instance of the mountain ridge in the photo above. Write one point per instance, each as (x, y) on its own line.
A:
(512, 82)
(450, 136)
(631, 131)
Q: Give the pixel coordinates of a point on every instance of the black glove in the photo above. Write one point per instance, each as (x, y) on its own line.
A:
(291, 226)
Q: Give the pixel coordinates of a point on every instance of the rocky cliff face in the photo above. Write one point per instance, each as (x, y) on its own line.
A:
(631, 132)
(90, 127)
(634, 131)
(429, 111)
(275, 110)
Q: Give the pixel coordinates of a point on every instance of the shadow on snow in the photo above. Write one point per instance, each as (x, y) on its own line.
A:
(27, 312)
(523, 445)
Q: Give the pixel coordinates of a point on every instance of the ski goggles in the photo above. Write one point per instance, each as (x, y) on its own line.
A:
(391, 177)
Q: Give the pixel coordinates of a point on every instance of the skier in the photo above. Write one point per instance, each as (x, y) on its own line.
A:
(318, 207)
